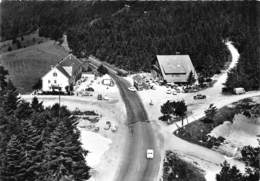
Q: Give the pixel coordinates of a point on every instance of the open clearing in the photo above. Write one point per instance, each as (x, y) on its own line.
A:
(27, 65)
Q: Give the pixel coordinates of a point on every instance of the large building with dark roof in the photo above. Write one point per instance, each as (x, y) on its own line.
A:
(174, 68)
(62, 75)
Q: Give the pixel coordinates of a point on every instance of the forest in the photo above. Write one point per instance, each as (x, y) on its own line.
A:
(37, 143)
(131, 34)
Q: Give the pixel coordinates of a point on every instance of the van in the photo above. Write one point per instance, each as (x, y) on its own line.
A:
(239, 90)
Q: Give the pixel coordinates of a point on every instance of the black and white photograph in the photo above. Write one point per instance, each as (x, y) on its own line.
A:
(129, 90)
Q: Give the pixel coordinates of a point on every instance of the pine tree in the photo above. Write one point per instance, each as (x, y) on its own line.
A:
(11, 99)
(23, 110)
(14, 163)
(36, 105)
(32, 143)
(64, 156)
(191, 79)
(3, 74)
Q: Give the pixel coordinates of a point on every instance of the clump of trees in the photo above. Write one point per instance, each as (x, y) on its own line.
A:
(37, 143)
(250, 155)
(173, 108)
(210, 114)
(228, 173)
(102, 70)
(177, 169)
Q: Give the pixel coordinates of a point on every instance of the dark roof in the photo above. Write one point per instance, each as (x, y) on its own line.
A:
(62, 70)
(69, 61)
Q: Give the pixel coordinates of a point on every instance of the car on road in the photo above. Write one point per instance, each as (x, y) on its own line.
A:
(199, 96)
(149, 153)
(133, 89)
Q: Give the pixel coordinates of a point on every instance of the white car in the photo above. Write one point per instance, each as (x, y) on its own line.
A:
(149, 153)
(133, 89)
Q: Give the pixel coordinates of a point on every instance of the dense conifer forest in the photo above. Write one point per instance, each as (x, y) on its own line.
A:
(131, 34)
(37, 143)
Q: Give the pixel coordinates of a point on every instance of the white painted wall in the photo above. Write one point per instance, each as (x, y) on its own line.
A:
(48, 80)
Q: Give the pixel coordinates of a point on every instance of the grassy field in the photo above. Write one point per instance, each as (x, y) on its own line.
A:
(27, 65)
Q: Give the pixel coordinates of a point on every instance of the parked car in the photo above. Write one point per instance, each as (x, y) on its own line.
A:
(149, 153)
(199, 96)
(133, 89)
(99, 97)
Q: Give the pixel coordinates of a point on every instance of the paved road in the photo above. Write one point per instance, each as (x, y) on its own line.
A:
(135, 166)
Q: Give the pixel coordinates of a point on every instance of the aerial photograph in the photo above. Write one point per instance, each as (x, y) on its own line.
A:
(94, 90)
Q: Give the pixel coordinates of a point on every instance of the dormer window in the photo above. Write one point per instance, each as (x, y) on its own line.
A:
(54, 74)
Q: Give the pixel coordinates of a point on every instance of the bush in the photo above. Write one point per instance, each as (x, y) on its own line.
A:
(250, 156)
(177, 169)
(102, 70)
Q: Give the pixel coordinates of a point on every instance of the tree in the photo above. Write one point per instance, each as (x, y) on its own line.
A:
(11, 99)
(32, 141)
(210, 113)
(191, 78)
(3, 74)
(36, 105)
(37, 85)
(227, 173)
(167, 110)
(23, 110)
(102, 70)
(14, 163)
(251, 155)
(180, 110)
(64, 157)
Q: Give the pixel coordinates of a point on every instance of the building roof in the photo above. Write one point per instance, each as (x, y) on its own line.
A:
(175, 64)
(68, 65)
(70, 60)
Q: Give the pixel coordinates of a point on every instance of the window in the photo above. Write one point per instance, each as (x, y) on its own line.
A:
(49, 81)
(55, 81)
(54, 74)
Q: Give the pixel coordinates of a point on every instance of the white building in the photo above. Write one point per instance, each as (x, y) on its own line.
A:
(63, 75)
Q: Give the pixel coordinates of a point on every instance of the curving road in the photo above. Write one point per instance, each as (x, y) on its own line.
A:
(135, 166)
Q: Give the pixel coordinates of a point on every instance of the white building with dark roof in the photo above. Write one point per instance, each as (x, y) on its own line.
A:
(62, 75)
(174, 68)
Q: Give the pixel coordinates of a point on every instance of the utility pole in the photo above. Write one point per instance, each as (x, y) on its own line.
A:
(59, 103)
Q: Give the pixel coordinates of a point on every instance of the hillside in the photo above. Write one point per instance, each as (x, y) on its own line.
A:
(131, 34)
(27, 65)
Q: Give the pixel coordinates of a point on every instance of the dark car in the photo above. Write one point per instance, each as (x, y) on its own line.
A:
(199, 96)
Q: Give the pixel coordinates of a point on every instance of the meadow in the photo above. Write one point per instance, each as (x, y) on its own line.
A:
(27, 65)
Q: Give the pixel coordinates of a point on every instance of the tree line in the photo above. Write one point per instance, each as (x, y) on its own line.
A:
(37, 143)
